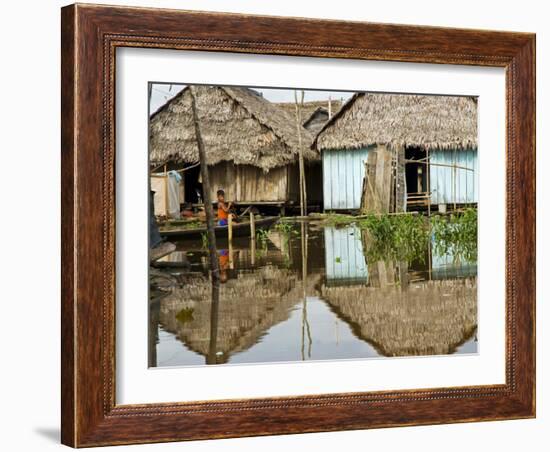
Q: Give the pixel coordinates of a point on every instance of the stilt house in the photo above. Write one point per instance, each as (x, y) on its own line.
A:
(433, 141)
(251, 145)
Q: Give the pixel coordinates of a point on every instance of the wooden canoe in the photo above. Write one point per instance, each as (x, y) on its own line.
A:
(240, 229)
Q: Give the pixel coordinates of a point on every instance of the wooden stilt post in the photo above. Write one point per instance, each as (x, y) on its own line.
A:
(213, 254)
(165, 191)
(305, 323)
(252, 225)
(183, 186)
(211, 357)
(430, 258)
(454, 181)
(429, 189)
(230, 239)
(252, 238)
(303, 193)
(253, 251)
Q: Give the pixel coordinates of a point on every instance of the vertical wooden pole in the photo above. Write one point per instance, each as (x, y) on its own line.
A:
(393, 205)
(230, 239)
(430, 257)
(252, 251)
(212, 357)
(305, 322)
(165, 191)
(183, 186)
(252, 225)
(303, 193)
(214, 263)
(454, 183)
(252, 239)
(429, 188)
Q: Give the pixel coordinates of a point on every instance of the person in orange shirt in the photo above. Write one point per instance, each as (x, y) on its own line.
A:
(224, 209)
(224, 265)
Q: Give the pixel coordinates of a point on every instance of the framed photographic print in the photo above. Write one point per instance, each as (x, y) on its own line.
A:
(281, 225)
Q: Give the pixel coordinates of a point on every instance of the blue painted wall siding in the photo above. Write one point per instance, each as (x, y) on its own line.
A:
(344, 257)
(442, 179)
(344, 170)
(343, 173)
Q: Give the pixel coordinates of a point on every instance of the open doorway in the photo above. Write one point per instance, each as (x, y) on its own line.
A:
(193, 188)
(416, 174)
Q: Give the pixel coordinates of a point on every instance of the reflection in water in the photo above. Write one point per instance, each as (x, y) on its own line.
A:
(428, 318)
(308, 292)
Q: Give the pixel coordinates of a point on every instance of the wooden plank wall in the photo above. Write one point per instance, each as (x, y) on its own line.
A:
(247, 183)
(378, 182)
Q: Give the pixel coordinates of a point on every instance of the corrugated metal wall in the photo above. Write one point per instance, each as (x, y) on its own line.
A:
(450, 185)
(344, 257)
(343, 172)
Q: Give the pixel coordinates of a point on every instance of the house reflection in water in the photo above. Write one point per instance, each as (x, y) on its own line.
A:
(344, 256)
(344, 307)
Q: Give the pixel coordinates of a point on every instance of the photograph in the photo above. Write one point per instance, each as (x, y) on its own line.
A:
(279, 223)
(290, 225)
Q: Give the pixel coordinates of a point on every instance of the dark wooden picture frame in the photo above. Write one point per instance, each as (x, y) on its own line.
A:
(90, 35)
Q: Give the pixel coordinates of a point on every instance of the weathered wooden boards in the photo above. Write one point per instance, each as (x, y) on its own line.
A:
(378, 181)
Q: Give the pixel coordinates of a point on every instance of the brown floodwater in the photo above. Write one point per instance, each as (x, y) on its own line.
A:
(307, 292)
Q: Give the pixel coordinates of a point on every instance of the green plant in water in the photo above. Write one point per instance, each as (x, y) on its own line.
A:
(406, 237)
(456, 235)
(284, 227)
(204, 240)
(287, 262)
(262, 236)
(185, 315)
(395, 237)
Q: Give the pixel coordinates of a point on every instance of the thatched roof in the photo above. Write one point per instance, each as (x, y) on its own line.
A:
(310, 107)
(237, 124)
(425, 318)
(430, 122)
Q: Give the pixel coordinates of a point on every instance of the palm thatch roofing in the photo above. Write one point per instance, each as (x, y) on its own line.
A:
(425, 121)
(310, 107)
(237, 124)
(426, 318)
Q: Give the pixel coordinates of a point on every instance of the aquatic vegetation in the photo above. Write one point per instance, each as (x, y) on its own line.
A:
(185, 315)
(406, 237)
(204, 240)
(395, 237)
(262, 236)
(456, 235)
(263, 239)
(284, 227)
